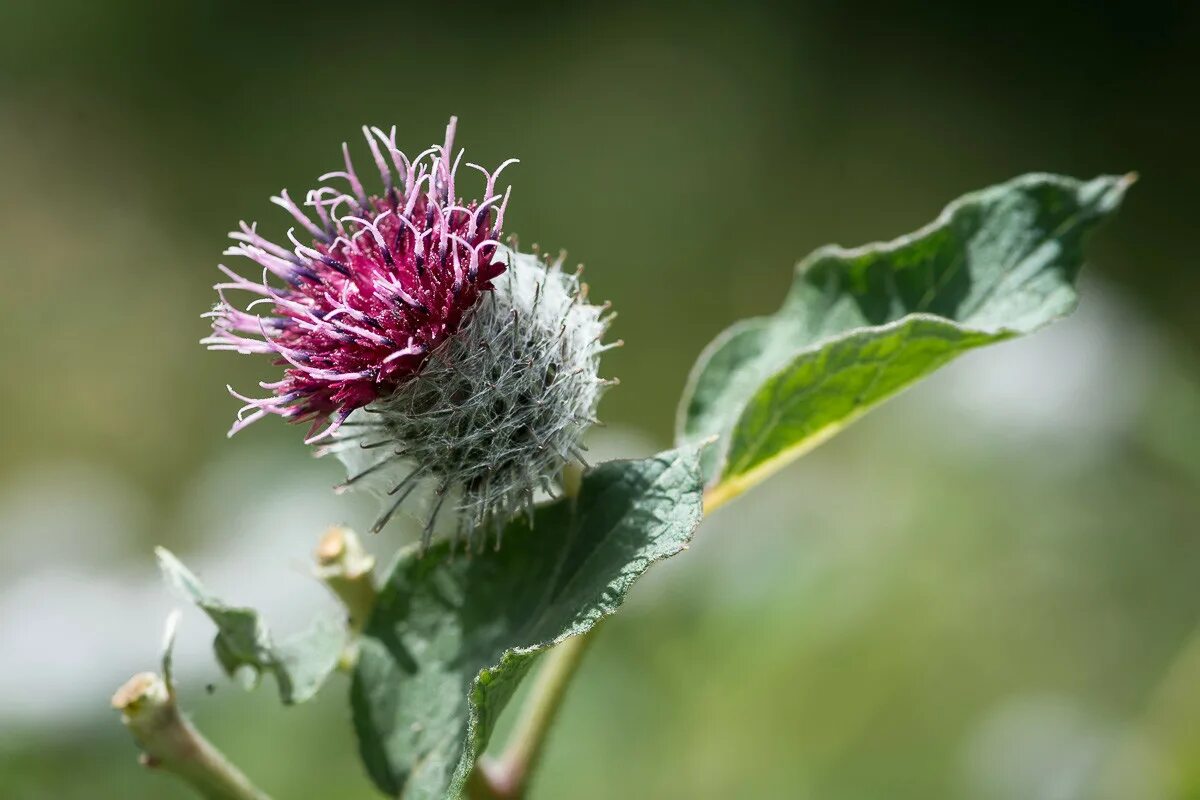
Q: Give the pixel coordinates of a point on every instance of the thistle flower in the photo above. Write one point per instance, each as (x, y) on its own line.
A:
(436, 357)
(381, 282)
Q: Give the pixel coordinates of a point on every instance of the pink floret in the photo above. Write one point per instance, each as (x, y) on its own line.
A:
(371, 287)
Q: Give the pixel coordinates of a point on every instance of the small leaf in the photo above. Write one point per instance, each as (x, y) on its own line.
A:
(244, 647)
(452, 636)
(860, 325)
(167, 659)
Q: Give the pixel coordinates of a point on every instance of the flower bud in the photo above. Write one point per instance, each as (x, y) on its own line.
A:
(495, 413)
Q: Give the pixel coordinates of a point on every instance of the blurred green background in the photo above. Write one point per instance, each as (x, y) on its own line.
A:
(987, 589)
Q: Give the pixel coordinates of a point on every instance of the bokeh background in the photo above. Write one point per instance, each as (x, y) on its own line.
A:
(987, 589)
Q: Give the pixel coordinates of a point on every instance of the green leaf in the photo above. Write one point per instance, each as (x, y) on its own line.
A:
(452, 636)
(167, 659)
(860, 325)
(244, 647)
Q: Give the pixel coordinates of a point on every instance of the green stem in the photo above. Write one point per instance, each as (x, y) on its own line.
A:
(171, 743)
(508, 777)
(346, 568)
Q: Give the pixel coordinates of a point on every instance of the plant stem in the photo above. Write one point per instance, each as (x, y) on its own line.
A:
(508, 777)
(346, 568)
(169, 742)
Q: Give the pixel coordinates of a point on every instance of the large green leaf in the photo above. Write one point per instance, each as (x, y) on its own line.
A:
(860, 325)
(451, 636)
(244, 646)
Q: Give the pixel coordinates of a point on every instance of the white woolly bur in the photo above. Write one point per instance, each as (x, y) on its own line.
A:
(494, 414)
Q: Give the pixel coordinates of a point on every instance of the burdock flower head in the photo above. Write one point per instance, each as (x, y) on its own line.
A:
(423, 350)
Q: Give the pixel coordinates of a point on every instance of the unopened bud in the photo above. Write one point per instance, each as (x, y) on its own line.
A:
(346, 568)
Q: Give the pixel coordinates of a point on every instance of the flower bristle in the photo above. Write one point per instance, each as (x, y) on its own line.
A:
(497, 412)
(379, 284)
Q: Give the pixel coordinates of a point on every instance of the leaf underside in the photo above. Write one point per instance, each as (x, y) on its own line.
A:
(244, 646)
(451, 635)
(860, 325)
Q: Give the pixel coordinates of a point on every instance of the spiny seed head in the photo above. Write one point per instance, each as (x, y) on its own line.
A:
(369, 288)
(452, 372)
(496, 412)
